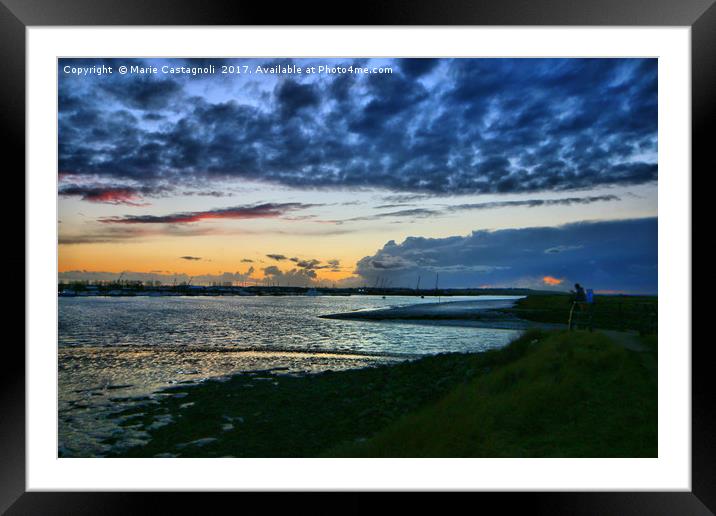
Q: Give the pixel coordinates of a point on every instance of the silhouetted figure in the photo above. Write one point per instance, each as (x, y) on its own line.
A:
(579, 295)
(581, 305)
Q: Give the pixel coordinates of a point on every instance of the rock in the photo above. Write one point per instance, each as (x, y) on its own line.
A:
(160, 421)
(112, 387)
(198, 442)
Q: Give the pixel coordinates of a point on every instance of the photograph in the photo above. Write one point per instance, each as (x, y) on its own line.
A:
(381, 257)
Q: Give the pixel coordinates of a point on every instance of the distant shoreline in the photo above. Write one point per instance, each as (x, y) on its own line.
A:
(139, 290)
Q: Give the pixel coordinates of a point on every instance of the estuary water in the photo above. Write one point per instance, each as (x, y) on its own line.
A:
(118, 352)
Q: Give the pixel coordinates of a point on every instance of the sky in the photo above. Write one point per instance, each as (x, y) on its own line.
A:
(358, 172)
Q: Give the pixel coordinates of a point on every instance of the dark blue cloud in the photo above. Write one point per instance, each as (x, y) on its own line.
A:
(608, 255)
(418, 66)
(293, 97)
(144, 93)
(417, 213)
(253, 211)
(438, 126)
(108, 193)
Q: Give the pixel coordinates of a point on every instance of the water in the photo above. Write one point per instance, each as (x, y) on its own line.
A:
(118, 352)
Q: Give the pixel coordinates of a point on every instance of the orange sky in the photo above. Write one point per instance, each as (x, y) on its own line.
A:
(336, 227)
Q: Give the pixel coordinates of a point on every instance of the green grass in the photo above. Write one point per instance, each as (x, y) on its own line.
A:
(569, 395)
(637, 313)
(553, 394)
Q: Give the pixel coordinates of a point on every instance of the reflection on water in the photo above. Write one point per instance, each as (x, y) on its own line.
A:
(119, 351)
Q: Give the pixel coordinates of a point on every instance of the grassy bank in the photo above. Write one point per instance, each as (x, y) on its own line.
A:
(637, 313)
(546, 394)
(567, 395)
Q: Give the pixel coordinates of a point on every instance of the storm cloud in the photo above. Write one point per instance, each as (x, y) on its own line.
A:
(603, 255)
(444, 126)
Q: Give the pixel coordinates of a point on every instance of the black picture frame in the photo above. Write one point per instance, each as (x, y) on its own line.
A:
(17, 15)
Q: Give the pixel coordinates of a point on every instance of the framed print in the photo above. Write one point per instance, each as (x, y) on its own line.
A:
(431, 251)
